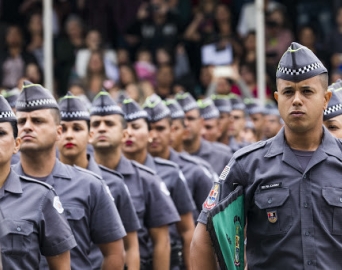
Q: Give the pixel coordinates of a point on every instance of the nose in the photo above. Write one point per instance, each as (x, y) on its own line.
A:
(297, 101)
(69, 133)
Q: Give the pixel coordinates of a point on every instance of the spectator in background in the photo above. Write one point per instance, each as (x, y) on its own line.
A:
(144, 66)
(123, 57)
(334, 42)
(127, 75)
(65, 52)
(14, 59)
(134, 92)
(249, 46)
(35, 43)
(165, 80)
(33, 73)
(93, 42)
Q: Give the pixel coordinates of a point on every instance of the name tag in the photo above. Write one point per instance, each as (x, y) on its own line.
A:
(275, 185)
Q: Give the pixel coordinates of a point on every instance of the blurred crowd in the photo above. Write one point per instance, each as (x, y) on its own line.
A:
(136, 48)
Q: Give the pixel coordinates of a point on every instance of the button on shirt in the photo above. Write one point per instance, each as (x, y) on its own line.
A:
(32, 225)
(152, 202)
(305, 205)
(216, 154)
(89, 209)
(122, 200)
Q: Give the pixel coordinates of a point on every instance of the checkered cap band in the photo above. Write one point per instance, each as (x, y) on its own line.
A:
(36, 103)
(333, 109)
(7, 114)
(114, 109)
(177, 114)
(159, 116)
(136, 115)
(75, 115)
(210, 115)
(301, 70)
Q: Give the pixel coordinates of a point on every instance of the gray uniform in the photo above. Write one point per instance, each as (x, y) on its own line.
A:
(294, 214)
(234, 145)
(122, 200)
(216, 154)
(32, 225)
(89, 209)
(198, 178)
(152, 202)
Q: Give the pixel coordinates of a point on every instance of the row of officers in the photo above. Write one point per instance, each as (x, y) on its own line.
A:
(101, 189)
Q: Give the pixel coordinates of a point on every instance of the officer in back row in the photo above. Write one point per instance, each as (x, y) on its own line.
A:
(75, 121)
(150, 196)
(138, 129)
(89, 209)
(32, 222)
(216, 154)
(292, 182)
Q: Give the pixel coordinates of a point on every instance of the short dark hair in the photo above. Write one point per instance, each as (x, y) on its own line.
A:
(56, 115)
(14, 128)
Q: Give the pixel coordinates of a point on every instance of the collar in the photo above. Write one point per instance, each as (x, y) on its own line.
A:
(149, 162)
(174, 156)
(93, 166)
(205, 148)
(12, 183)
(125, 166)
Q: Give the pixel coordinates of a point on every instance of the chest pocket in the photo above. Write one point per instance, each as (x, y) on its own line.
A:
(273, 212)
(18, 237)
(74, 213)
(331, 213)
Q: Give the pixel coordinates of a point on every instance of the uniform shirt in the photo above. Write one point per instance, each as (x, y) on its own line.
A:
(122, 199)
(234, 145)
(216, 154)
(90, 211)
(34, 223)
(151, 200)
(198, 178)
(294, 215)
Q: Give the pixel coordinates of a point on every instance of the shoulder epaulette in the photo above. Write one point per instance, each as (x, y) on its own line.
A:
(111, 171)
(143, 167)
(87, 171)
(28, 179)
(188, 158)
(249, 148)
(166, 162)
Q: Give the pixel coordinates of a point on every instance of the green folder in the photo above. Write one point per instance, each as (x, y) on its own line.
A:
(226, 222)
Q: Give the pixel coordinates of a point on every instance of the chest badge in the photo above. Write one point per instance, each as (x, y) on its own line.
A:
(213, 197)
(272, 216)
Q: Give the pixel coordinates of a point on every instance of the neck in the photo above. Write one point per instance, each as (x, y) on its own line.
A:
(165, 154)
(308, 141)
(224, 139)
(192, 146)
(139, 157)
(5, 171)
(81, 160)
(38, 164)
(109, 158)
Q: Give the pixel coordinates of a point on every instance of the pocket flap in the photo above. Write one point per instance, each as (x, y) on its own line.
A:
(271, 198)
(22, 227)
(74, 213)
(333, 196)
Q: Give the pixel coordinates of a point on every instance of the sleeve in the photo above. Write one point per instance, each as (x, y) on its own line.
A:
(105, 223)
(160, 210)
(55, 234)
(202, 186)
(223, 188)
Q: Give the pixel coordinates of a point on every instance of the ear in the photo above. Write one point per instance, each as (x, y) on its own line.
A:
(327, 96)
(59, 132)
(124, 135)
(90, 136)
(17, 143)
(275, 94)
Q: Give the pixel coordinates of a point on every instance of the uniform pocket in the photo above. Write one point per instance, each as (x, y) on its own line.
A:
(73, 213)
(273, 211)
(332, 212)
(18, 237)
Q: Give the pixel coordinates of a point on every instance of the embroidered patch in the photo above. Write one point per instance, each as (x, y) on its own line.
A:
(109, 193)
(272, 216)
(238, 229)
(164, 189)
(224, 173)
(213, 197)
(58, 205)
(181, 176)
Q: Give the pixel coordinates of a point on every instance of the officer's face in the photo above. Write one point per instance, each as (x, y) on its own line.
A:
(160, 137)
(258, 120)
(224, 122)
(136, 137)
(272, 126)
(8, 145)
(301, 104)
(238, 123)
(211, 130)
(193, 125)
(106, 131)
(177, 133)
(38, 130)
(74, 139)
(334, 125)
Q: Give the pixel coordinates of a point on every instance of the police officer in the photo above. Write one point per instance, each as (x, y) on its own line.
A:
(75, 121)
(273, 122)
(291, 182)
(150, 196)
(89, 209)
(31, 216)
(216, 154)
(256, 114)
(169, 172)
(222, 103)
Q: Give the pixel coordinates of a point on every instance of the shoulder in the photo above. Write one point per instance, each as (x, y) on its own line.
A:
(31, 180)
(113, 172)
(165, 162)
(188, 158)
(87, 172)
(143, 168)
(221, 148)
(250, 148)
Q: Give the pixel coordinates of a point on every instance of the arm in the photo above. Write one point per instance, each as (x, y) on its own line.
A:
(201, 252)
(186, 228)
(59, 262)
(113, 255)
(161, 247)
(132, 251)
